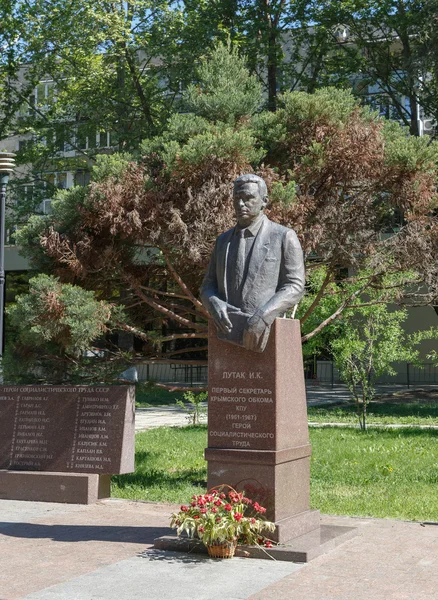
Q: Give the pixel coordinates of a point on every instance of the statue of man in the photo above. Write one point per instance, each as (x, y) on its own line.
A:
(256, 271)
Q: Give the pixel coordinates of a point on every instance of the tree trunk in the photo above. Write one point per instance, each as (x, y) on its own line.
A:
(272, 71)
(411, 74)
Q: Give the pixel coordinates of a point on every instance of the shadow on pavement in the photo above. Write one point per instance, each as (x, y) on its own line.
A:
(181, 557)
(83, 533)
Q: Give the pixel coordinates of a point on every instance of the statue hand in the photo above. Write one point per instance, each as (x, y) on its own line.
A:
(256, 334)
(220, 315)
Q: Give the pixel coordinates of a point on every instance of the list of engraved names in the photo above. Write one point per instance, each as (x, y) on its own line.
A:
(90, 440)
(76, 429)
(30, 445)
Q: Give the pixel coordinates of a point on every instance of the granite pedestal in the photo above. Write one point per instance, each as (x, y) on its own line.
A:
(69, 488)
(257, 427)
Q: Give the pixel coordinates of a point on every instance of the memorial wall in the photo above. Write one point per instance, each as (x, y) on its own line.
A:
(67, 429)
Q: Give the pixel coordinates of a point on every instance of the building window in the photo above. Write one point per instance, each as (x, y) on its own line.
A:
(44, 94)
(86, 138)
(104, 139)
(82, 178)
(60, 180)
(46, 207)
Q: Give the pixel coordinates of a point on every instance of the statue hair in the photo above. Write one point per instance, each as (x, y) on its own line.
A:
(252, 178)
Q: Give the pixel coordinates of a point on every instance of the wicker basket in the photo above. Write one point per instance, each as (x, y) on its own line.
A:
(224, 549)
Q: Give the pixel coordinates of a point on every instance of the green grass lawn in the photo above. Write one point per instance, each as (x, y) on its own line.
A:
(170, 465)
(412, 413)
(379, 473)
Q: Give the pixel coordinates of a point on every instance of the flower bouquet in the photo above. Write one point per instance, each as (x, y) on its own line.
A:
(222, 519)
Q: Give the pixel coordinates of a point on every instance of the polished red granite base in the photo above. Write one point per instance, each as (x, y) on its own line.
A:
(257, 424)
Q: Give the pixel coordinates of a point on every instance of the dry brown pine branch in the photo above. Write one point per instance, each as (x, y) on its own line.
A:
(160, 308)
(184, 350)
(184, 287)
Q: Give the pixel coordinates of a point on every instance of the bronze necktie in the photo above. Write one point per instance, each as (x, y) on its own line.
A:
(240, 260)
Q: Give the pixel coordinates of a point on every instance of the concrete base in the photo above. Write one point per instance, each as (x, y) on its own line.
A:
(39, 486)
(302, 549)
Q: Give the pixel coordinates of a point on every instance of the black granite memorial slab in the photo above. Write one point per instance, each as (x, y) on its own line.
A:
(69, 429)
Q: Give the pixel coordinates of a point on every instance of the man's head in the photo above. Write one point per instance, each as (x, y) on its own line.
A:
(250, 197)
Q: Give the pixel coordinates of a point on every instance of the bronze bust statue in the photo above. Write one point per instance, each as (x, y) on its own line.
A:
(256, 271)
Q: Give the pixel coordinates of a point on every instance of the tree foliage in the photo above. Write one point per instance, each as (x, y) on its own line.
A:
(370, 340)
(56, 327)
(59, 313)
(226, 91)
(361, 194)
(386, 50)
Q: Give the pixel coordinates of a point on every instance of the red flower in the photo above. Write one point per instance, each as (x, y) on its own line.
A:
(238, 516)
(268, 544)
(259, 508)
(184, 508)
(196, 516)
(203, 510)
(234, 497)
(222, 496)
(213, 509)
(253, 520)
(247, 500)
(201, 530)
(228, 507)
(218, 519)
(218, 503)
(192, 503)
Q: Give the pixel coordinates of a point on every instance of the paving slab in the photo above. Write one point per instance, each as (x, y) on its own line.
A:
(42, 544)
(88, 552)
(159, 416)
(168, 576)
(387, 560)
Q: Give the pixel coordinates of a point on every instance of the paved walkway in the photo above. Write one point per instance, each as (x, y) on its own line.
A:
(103, 552)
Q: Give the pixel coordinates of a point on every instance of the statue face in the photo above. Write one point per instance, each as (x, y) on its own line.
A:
(248, 203)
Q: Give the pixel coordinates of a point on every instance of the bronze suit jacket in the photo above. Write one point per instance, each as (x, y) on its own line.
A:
(275, 277)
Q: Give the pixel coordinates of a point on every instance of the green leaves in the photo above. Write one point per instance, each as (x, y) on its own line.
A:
(61, 314)
(370, 339)
(226, 91)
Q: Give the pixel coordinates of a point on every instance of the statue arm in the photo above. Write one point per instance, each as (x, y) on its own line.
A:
(209, 287)
(209, 292)
(291, 282)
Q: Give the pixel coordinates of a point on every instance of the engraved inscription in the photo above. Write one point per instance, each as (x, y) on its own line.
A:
(91, 433)
(73, 429)
(29, 443)
(239, 413)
